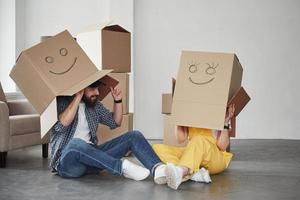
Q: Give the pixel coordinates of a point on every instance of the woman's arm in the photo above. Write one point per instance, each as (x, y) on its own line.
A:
(223, 138)
(182, 134)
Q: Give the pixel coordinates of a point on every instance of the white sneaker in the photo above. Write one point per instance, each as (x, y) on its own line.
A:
(133, 171)
(174, 176)
(160, 174)
(202, 176)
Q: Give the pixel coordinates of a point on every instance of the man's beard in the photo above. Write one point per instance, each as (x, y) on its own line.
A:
(89, 101)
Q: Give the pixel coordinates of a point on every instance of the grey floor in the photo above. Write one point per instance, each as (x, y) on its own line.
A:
(261, 169)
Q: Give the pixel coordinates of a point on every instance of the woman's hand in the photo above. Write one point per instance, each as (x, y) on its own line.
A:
(182, 134)
(229, 113)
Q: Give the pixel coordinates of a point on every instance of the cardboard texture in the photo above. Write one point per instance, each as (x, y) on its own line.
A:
(105, 134)
(167, 99)
(170, 131)
(106, 83)
(240, 100)
(56, 67)
(166, 103)
(123, 79)
(205, 82)
(108, 46)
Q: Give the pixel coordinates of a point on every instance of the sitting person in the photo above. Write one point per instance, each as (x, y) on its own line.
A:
(204, 154)
(74, 149)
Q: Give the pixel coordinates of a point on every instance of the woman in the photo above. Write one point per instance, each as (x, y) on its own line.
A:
(205, 153)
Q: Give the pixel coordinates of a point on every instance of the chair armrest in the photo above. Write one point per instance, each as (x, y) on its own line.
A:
(4, 127)
(20, 107)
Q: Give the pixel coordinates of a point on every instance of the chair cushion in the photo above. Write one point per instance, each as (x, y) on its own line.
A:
(2, 95)
(22, 124)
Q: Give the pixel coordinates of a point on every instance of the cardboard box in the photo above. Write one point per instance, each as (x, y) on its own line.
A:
(56, 67)
(167, 99)
(240, 99)
(123, 79)
(108, 46)
(205, 83)
(105, 134)
(166, 103)
(170, 131)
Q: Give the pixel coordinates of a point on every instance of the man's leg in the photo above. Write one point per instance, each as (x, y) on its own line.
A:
(79, 155)
(80, 158)
(136, 142)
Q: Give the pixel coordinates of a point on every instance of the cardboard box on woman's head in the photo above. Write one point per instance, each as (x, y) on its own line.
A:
(205, 83)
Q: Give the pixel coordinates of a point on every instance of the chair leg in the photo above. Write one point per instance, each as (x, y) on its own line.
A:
(45, 150)
(3, 156)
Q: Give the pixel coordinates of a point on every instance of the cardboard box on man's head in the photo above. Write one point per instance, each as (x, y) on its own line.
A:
(56, 67)
(204, 85)
(108, 46)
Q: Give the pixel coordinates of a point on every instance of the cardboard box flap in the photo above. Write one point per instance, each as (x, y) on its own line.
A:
(35, 89)
(48, 118)
(236, 77)
(106, 83)
(173, 86)
(240, 99)
(116, 28)
(84, 83)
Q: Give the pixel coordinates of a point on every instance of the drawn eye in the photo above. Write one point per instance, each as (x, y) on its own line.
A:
(63, 51)
(49, 59)
(211, 69)
(193, 68)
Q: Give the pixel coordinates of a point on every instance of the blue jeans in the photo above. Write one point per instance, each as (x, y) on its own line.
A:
(79, 158)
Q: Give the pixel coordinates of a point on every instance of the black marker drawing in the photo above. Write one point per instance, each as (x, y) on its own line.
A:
(62, 52)
(210, 70)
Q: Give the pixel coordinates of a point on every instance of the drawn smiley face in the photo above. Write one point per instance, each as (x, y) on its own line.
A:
(209, 70)
(62, 52)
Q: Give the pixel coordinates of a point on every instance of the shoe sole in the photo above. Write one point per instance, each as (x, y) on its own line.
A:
(161, 180)
(171, 177)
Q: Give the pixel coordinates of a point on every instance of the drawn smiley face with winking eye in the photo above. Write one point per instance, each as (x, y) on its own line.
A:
(50, 60)
(206, 71)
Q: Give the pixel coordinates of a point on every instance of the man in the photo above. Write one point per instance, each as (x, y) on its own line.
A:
(74, 149)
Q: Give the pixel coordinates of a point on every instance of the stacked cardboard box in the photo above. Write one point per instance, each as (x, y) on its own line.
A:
(169, 131)
(108, 46)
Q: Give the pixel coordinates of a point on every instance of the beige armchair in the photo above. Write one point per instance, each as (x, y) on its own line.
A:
(19, 127)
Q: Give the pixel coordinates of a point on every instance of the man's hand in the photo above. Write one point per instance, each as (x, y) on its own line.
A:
(116, 93)
(67, 116)
(79, 94)
(229, 113)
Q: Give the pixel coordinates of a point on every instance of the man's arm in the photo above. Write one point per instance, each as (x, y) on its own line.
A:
(118, 106)
(223, 139)
(67, 116)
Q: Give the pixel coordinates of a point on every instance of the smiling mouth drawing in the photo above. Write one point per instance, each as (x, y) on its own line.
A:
(60, 73)
(201, 83)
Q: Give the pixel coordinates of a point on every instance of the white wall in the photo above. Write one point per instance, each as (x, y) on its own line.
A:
(7, 41)
(35, 18)
(263, 33)
(44, 17)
